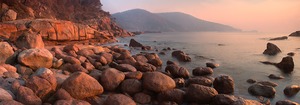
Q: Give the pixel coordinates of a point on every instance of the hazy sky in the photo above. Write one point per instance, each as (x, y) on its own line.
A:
(261, 15)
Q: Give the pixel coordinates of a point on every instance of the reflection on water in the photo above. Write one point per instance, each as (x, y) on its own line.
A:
(237, 53)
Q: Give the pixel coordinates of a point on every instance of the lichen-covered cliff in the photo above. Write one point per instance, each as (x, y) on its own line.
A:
(58, 20)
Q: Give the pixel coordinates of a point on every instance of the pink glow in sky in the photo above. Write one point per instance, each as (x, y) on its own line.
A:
(261, 15)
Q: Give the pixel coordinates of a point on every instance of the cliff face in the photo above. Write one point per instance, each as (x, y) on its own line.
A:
(82, 15)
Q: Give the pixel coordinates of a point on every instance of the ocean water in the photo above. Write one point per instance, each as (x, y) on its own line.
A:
(238, 55)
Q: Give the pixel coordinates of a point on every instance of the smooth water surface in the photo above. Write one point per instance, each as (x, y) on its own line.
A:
(238, 55)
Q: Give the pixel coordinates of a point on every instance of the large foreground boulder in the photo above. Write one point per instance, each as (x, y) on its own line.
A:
(119, 99)
(272, 49)
(6, 95)
(200, 94)
(286, 102)
(80, 86)
(157, 82)
(36, 58)
(6, 55)
(262, 90)
(286, 64)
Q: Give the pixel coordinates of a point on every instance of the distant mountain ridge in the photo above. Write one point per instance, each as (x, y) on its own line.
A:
(142, 20)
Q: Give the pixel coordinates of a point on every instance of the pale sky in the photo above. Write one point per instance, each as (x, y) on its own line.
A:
(261, 15)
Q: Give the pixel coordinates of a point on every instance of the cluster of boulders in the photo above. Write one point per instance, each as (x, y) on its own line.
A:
(267, 88)
(85, 74)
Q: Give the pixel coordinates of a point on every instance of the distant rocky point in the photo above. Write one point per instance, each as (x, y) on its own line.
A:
(142, 20)
(58, 20)
(297, 33)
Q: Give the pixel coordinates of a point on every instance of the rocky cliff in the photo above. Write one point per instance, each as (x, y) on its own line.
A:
(58, 20)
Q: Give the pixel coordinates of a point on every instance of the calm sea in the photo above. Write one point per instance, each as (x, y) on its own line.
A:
(238, 55)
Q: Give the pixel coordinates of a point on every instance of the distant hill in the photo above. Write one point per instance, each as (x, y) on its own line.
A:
(142, 20)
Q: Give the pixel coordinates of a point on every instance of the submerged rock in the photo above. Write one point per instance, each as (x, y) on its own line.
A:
(280, 38)
(272, 49)
(273, 76)
(134, 43)
(291, 90)
(262, 90)
(286, 64)
(286, 102)
(212, 65)
(181, 56)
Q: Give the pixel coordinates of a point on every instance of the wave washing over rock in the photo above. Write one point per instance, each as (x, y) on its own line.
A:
(34, 72)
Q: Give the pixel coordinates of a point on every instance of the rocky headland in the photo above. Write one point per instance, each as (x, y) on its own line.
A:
(51, 55)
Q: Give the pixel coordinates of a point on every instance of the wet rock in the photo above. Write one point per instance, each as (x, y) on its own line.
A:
(144, 67)
(262, 90)
(268, 83)
(156, 62)
(140, 58)
(291, 90)
(286, 64)
(157, 82)
(286, 102)
(30, 40)
(27, 96)
(273, 76)
(71, 102)
(36, 58)
(6, 56)
(131, 86)
(6, 95)
(9, 15)
(280, 38)
(200, 81)
(111, 78)
(142, 98)
(81, 85)
(146, 48)
(10, 102)
(134, 43)
(175, 95)
(177, 72)
(272, 49)
(126, 68)
(297, 33)
(119, 99)
(200, 94)
(212, 65)
(224, 84)
(202, 71)
(223, 99)
(134, 75)
(181, 56)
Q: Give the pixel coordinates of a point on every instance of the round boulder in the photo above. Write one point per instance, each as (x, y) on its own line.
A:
(175, 95)
(157, 82)
(7, 54)
(80, 86)
(36, 58)
(142, 98)
(131, 86)
(111, 78)
(262, 90)
(291, 90)
(119, 99)
(200, 94)
(202, 71)
(224, 84)
(286, 102)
